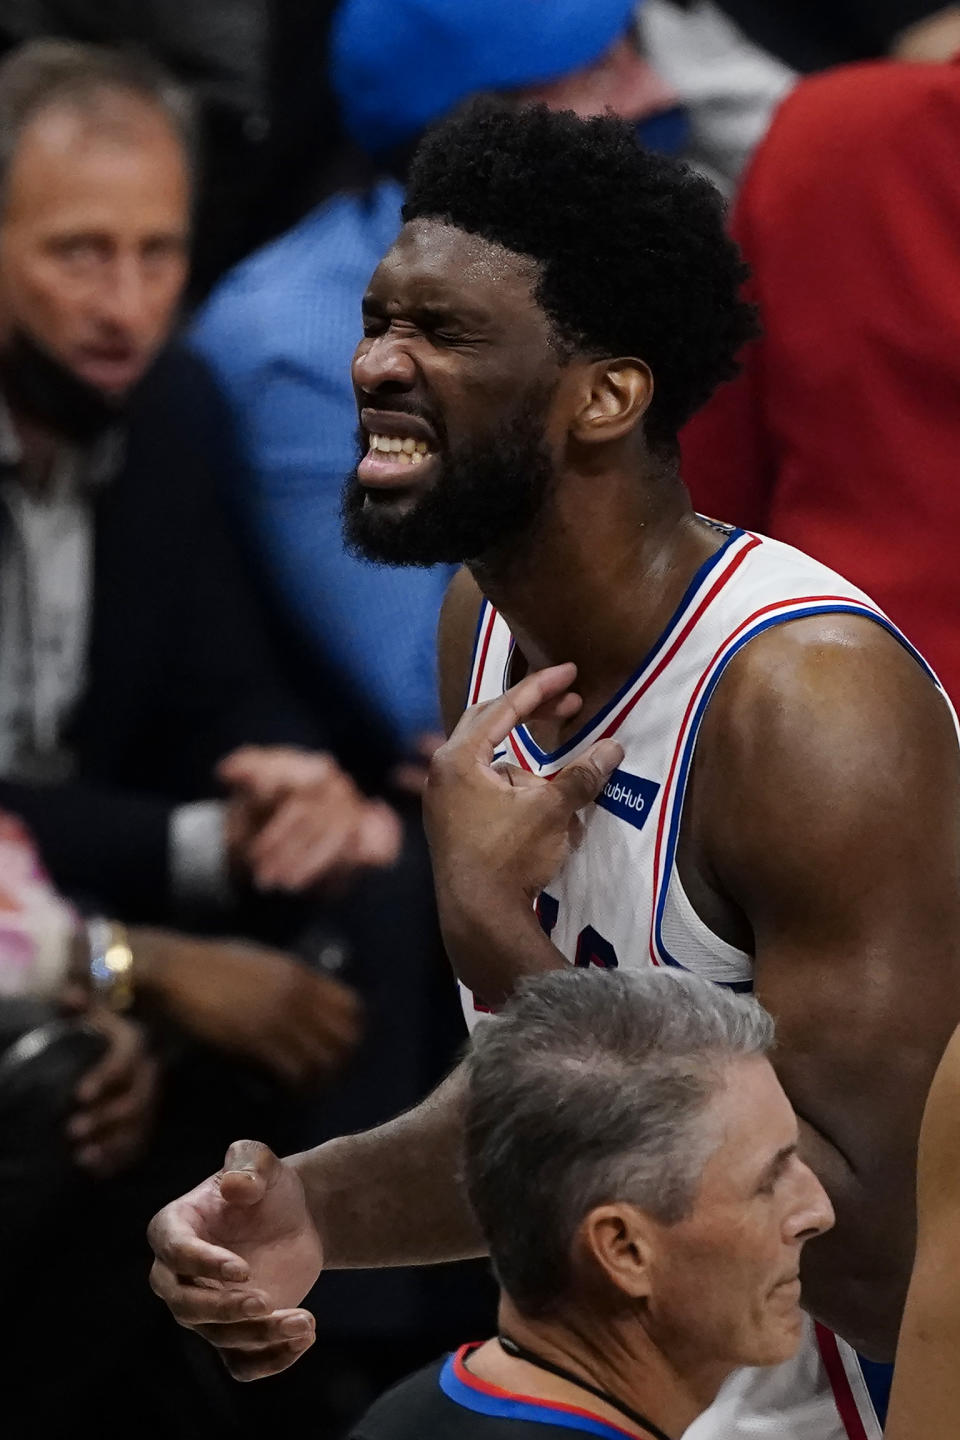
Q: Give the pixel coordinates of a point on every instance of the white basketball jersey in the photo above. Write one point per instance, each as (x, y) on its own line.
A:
(619, 902)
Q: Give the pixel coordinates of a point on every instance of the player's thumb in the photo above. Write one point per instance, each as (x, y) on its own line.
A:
(249, 1170)
(582, 780)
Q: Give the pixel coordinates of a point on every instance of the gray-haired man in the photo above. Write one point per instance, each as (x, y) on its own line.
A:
(632, 1162)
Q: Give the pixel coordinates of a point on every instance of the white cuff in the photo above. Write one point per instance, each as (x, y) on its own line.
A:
(199, 869)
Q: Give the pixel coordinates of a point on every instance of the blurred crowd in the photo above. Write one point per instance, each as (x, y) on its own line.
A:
(216, 913)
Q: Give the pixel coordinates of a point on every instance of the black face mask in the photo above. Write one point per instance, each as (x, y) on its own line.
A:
(43, 389)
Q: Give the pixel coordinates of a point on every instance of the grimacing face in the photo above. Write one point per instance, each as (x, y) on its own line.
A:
(462, 405)
(94, 235)
(724, 1281)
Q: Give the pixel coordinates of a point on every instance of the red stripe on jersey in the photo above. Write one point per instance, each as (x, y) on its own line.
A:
(519, 753)
(665, 659)
(681, 738)
(484, 647)
(840, 1384)
(678, 640)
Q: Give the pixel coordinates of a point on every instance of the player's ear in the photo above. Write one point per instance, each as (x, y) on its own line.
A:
(616, 395)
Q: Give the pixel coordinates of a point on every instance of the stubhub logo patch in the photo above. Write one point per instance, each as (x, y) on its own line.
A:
(629, 797)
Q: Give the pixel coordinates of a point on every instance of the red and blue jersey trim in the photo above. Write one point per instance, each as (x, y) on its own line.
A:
(668, 825)
(863, 1419)
(712, 576)
(468, 1390)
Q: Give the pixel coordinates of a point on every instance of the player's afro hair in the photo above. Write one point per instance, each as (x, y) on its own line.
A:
(634, 258)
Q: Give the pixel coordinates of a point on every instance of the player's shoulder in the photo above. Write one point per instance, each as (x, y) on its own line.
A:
(825, 682)
(826, 654)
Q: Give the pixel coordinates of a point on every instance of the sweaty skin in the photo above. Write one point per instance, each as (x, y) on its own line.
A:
(821, 828)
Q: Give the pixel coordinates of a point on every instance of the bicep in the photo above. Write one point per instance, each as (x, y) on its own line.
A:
(845, 858)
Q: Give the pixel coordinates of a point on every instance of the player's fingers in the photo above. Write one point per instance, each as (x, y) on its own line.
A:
(582, 780)
(257, 1365)
(282, 1327)
(484, 727)
(249, 1171)
(195, 1305)
(178, 1247)
(564, 707)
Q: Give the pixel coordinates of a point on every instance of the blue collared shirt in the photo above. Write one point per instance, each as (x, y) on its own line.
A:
(280, 332)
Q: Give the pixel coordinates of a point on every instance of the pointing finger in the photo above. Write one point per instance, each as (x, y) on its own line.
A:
(484, 727)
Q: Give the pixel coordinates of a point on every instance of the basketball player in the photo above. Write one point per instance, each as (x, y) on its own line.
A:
(776, 770)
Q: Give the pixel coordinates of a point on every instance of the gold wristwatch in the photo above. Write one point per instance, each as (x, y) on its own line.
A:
(111, 962)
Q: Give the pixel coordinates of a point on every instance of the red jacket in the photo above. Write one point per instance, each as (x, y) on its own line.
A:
(842, 436)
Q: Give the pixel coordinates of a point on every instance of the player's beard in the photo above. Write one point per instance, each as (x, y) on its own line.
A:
(484, 501)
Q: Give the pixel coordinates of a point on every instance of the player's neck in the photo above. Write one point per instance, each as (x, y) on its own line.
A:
(616, 1356)
(600, 577)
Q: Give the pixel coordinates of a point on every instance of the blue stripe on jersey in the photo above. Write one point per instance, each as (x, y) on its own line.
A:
(544, 757)
(539, 1412)
(678, 795)
(484, 608)
(878, 1378)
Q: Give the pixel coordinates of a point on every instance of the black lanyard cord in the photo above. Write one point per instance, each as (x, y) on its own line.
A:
(519, 1352)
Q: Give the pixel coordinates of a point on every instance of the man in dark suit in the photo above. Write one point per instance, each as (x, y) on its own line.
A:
(133, 652)
(150, 741)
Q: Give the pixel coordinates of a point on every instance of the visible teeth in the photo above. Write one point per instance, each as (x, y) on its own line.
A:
(404, 458)
(404, 446)
(416, 458)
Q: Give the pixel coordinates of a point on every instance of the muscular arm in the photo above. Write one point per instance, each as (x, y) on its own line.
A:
(925, 1399)
(393, 1196)
(825, 816)
(827, 791)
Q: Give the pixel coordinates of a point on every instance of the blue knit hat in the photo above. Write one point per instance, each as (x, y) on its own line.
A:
(396, 65)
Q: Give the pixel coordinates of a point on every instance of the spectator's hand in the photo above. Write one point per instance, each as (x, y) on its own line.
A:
(250, 1001)
(116, 1099)
(235, 1258)
(410, 775)
(295, 819)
